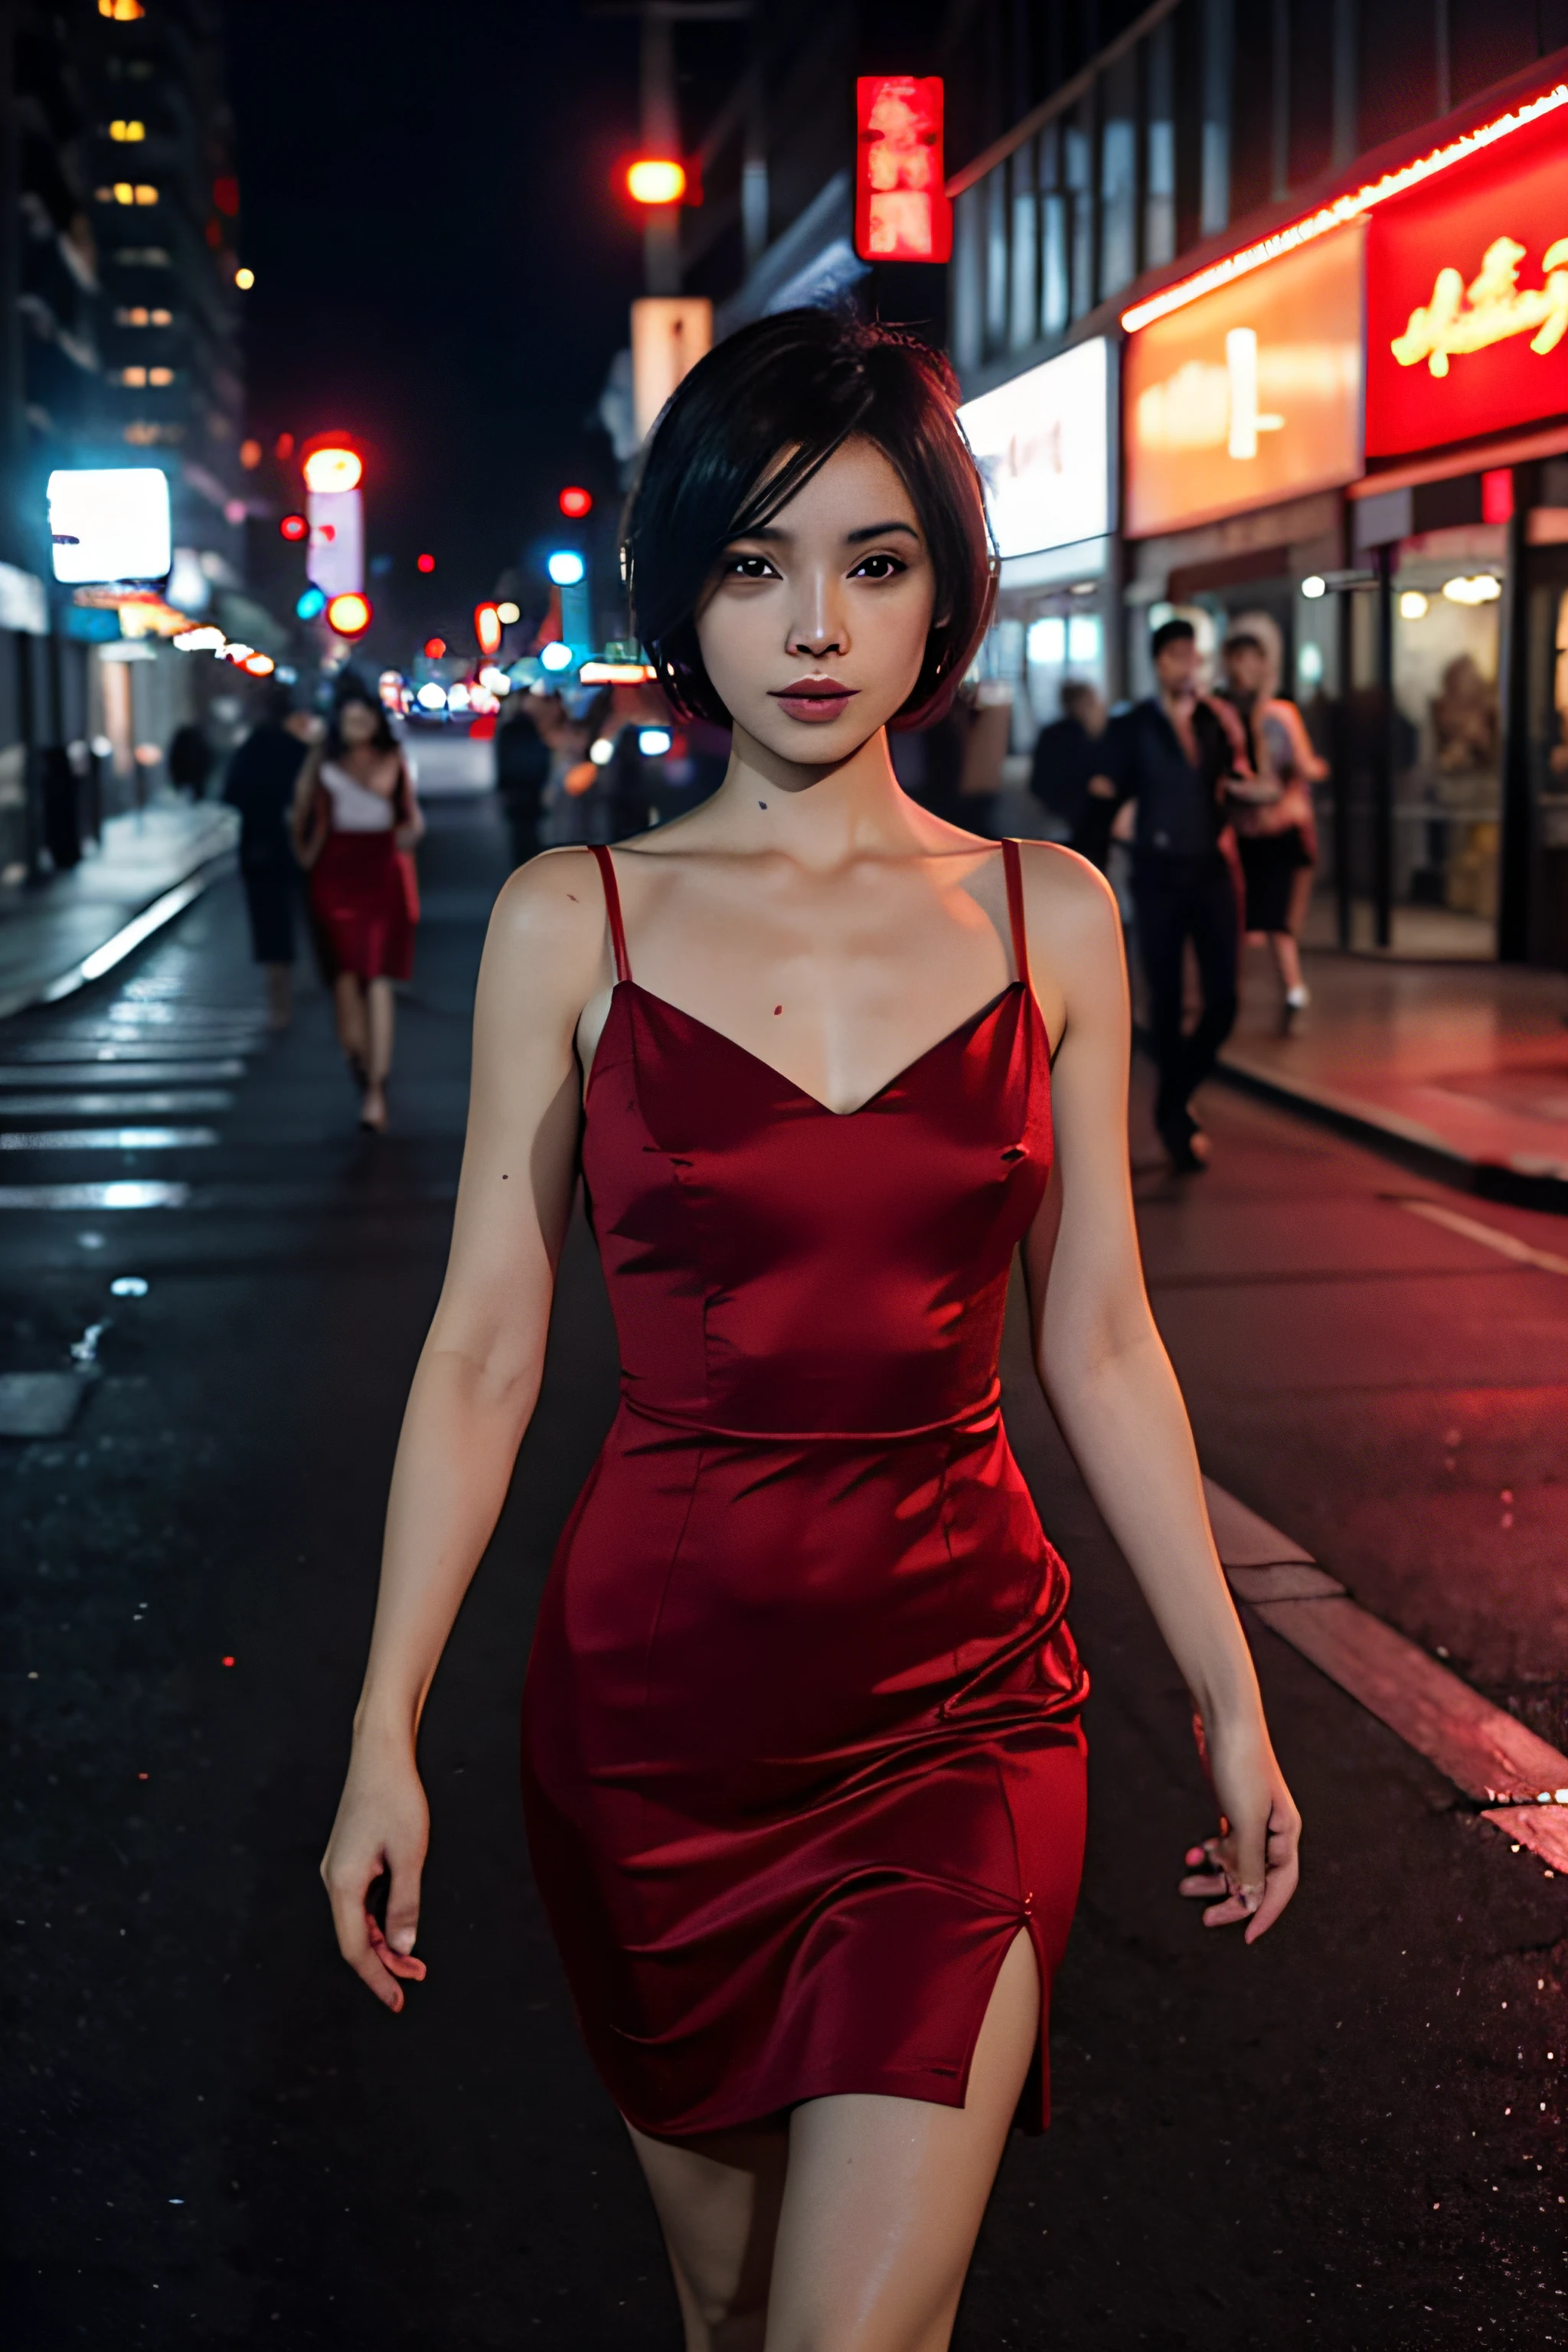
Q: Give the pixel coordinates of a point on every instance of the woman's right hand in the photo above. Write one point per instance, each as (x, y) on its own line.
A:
(383, 1827)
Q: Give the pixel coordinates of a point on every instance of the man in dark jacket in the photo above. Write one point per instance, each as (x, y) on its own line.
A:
(261, 784)
(1069, 773)
(1170, 754)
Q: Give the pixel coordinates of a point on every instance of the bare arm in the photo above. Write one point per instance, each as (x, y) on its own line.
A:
(476, 1382)
(1110, 1383)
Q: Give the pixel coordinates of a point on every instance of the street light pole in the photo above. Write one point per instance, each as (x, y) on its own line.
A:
(660, 136)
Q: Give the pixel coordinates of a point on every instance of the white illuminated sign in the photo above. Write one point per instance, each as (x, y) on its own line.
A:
(1043, 446)
(110, 523)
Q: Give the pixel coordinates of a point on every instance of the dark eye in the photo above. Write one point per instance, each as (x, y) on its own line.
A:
(881, 566)
(749, 567)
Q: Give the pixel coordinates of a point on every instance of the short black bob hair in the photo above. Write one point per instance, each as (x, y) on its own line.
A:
(796, 387)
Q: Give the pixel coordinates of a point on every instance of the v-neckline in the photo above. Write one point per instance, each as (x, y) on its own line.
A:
(792, 1085)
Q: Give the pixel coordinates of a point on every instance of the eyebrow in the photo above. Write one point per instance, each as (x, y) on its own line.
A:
(851, 538)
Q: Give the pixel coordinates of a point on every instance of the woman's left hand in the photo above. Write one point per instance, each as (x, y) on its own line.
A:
(1250, 1870)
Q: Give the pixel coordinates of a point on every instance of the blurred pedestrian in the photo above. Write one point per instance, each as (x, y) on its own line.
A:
(522, 770)
(356, 820)
(189, 760)
(1172, 754)
(261, 783)
(1067, 776)
(1276, 833)
(579, 805)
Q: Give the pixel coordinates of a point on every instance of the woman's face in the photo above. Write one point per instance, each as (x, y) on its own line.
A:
(357, 724)
(814, 628)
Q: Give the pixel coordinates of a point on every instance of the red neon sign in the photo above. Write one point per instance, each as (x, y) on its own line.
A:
(1467, 300)
(901, 211)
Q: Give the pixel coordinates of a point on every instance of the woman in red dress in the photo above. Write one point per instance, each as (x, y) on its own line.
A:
(803, 1767)
(356, 820)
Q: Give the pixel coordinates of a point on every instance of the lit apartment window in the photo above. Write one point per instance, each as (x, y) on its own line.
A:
(144, 194)
(131, 318)
(134, 375)
(160, 375)
(123, 12)
(162, 317)
(127, 133)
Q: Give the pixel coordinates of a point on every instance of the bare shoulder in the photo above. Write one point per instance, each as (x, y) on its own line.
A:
(1065, 897)
(549, 922)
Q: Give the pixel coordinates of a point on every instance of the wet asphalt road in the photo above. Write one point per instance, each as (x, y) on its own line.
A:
(1351, 2137)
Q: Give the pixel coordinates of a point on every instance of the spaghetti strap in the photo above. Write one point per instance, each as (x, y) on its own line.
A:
(1013, 868)
(606, 866)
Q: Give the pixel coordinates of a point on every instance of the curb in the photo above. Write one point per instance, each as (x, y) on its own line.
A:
(1487, 1179)
(140, 927)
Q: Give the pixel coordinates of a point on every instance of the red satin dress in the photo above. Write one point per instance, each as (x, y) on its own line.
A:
(801, 1744)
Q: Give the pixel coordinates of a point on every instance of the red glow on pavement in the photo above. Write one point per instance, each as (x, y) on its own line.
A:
(575, 501)
(426, 563)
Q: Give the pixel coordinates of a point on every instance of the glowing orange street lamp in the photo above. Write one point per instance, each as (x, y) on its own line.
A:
(333, 467)
(349, 615)
(656, 180)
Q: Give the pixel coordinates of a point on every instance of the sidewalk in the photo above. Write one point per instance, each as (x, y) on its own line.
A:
(1458, 1069)
(59, 934)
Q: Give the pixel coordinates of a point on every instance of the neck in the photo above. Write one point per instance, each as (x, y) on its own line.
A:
(818, 814)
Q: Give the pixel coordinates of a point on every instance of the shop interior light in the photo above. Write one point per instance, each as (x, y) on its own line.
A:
(260, 665)
(1412, 604)
(457, 697)
(495, 681)
(508, 612)
(601, 751)
(653, 742)
(434, 647)
(1314, 584)
(556, 655)
(207, 640)
(565, 567)
(613, 673)
(1342, 209)
(244, 280)
(1482, 588)
(431, 696)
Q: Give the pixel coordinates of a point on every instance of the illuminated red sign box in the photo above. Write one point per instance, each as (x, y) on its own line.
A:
(1467, 301)
(901, 212)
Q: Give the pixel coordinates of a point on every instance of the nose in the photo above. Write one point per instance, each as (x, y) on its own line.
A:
(818, 626)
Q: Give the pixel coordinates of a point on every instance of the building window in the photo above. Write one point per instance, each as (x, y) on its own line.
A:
(138, 317)
(134, 376)
(122, 12)
(160, 376)
(127, 133)
(144, 435)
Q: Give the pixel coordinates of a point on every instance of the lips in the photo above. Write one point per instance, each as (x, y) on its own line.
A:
(815, 701)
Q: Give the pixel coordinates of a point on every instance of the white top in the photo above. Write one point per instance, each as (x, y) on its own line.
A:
(355, 808)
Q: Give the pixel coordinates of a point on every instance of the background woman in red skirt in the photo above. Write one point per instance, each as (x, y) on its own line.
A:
(355, 822)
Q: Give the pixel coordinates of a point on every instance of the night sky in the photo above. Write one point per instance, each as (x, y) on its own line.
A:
(442, 264)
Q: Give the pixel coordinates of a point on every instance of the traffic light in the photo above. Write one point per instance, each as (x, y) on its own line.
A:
(487, 628)
(331, 464)
(293, 526)
(656, 180)
(575, 502)
(349, 615)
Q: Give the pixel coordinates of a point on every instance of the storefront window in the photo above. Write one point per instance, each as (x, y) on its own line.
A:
(1448, 797)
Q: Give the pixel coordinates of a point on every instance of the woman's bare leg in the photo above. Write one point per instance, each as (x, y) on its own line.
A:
(382, 1014)
(1286, 959)
(348, 1006)
(718, 2204)
(884, 2196)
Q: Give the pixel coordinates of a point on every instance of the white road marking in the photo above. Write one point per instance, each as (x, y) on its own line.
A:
(1489, 1236)
(1520, 1781)
(111, 1106)
(111, 1139)
(123, 1194)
